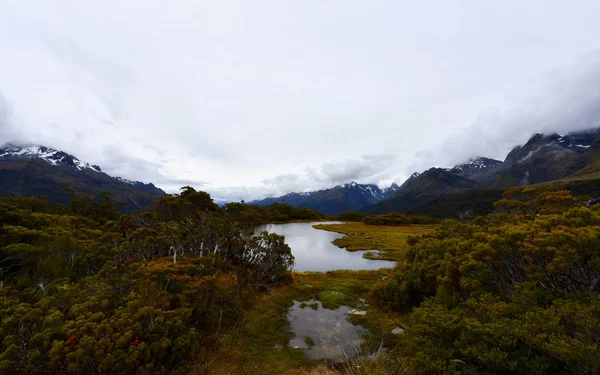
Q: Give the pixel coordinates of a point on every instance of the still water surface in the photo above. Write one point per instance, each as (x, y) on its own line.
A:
(332, 336)
(313, 250)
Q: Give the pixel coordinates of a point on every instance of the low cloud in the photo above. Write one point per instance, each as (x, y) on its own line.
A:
(566, 100)
(210, 96)
(371, 169)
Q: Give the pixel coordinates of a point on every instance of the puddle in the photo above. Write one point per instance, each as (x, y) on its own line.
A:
(323, 333)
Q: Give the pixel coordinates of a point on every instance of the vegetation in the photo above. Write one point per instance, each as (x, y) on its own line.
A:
(351, 216)
(188, 286)
(387, 219)
(513, 292)
(262, 345)
(275, 213)
(470, 204)
(398, 219)
(86, 290)
(26, 177)
(391, 241)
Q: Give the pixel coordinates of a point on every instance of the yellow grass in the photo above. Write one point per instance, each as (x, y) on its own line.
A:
(389, 240)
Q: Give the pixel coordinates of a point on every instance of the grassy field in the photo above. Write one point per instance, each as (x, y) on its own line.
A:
(261, 345)
(389, 240)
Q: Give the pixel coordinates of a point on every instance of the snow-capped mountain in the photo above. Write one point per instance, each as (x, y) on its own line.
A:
(341, 198)
(476, 168)
(49, 155)
(34, 170)
(545, 157)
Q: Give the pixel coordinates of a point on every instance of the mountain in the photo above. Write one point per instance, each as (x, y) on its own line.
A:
(33, 170)
(422, 188)
(545, 157)
(478, 169)
(333, 201)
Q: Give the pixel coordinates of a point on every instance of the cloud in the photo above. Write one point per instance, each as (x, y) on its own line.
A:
(248, 100)
(568, 99)
(372, 168)
(8, 131)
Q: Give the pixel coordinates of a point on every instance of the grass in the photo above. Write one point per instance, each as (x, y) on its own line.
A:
(261, 345)
(389, 240)
(331, 299)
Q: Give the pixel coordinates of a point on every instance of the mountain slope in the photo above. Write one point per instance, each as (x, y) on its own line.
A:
(38, 170)
(545, 158)
(542, 159)
(478, 169)
(341, 198)
(422, 188)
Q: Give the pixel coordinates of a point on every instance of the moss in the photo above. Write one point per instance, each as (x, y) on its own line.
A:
(261, 346)
(332, 299)
(314, 306)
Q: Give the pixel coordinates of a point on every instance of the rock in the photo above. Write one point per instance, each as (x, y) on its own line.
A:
(357, 312)
(398, 331)
(368, 237)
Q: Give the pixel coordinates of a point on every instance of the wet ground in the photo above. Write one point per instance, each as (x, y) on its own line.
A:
(323, 333)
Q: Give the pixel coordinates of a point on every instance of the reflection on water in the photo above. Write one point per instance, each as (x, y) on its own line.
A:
(323, 333)
(313, 250)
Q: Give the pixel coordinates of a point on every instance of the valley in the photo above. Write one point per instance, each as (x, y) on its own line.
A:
(186, 286)
(299, 188)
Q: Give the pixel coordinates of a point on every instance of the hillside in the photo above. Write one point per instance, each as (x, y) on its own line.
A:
(420, 189)
(41, 171)
(470, 188)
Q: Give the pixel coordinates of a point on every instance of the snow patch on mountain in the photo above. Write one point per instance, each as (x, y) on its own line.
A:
(50, 155)
(126, 181)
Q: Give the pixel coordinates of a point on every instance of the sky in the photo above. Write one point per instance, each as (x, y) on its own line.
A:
(253, 99)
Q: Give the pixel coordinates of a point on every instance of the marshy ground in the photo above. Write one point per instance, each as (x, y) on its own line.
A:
(390, 241)
(267, 344)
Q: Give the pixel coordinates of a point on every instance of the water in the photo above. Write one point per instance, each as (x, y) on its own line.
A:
(332, 336)
(313, 249)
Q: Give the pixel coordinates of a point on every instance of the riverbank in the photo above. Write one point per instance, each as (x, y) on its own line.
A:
(262, 344)
(389, 241)
(302, 221)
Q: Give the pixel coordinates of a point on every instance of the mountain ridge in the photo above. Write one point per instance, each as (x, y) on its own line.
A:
(350, 196)
(36, 170)
(543, 158)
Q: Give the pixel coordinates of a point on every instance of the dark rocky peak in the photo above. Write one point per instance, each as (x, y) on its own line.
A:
(477, 168)
(411, 178)
(477, 163)
(542, 145)
(438, 176)
(584, 138)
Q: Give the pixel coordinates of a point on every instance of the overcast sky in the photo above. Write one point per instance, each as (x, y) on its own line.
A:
(247, 99)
